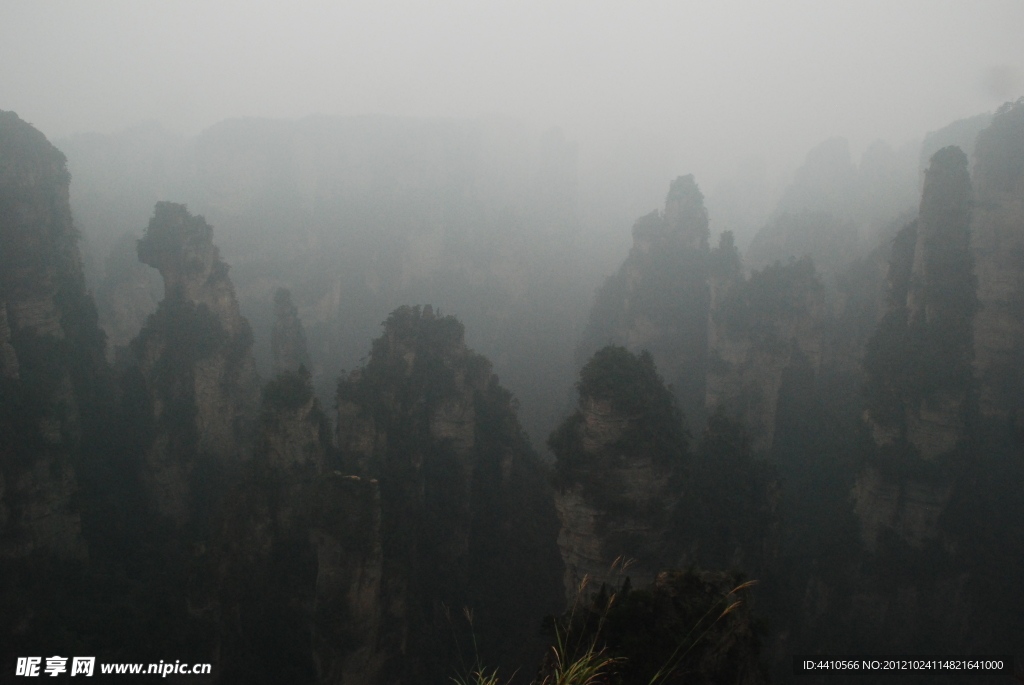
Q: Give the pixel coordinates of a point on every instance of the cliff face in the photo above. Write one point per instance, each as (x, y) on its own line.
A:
(49, 348)
(935, 474)
(270, 557)
(919, 359)
(620, 458)
(658, 300)
(297, 557)
(758, 329)
(997, 242)
(194, 359)
(718, 338)
(887, 397)
(465, 510)
(55, 399)
(632, 498)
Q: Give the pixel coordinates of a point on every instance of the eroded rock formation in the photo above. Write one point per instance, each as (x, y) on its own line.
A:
(997, 242)
(759, 328)
(194, 358)
(633, 498)
(48, 349)
(465, 507)
(54, 400)
(298, 554)
(658, 300)
(620, 460)
(919, 360)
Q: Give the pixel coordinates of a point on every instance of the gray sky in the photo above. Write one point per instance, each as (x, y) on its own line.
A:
(701, 84)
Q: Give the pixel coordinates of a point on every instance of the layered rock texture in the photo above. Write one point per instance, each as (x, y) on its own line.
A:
(856, 437)
(930, 487)
(296, 561)
(882, 389)
(55, 399)
(620, 460)
(48, 347)
(466, 512)
(632, 498)
(195, 361)
(276, 553)
(759, 328)
(180, 510)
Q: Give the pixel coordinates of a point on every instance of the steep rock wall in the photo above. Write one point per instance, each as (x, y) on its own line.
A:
(918, 362)
(466, 513)
(758, 328)
(997, 242)
(195, 361)
(47, 348)
(297, 561)
(620, 457)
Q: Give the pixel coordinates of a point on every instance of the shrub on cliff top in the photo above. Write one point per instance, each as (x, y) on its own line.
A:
(631, 384)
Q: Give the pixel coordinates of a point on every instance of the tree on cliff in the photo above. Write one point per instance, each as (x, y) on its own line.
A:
(633, 389)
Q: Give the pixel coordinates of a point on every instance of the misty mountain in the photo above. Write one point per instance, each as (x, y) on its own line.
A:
(229, 458)
(356, 216)
(834, 210)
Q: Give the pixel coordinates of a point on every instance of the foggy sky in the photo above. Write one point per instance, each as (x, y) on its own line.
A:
(674, 87)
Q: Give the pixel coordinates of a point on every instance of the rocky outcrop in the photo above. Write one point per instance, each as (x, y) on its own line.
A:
(347, 536)
(48, 346)
(658, 300)
(620, 460)
(195, 361)
(758, 329)
(919, 360)
(997, 243)
(357, 214)
(55, 401)
(918, 363)
(634, 501)
(466, 512)
(910, 508)
(298, 554)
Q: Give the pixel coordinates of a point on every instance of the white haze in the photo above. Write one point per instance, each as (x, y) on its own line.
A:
(649, 90)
